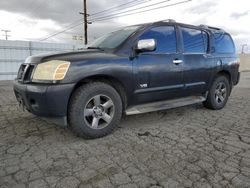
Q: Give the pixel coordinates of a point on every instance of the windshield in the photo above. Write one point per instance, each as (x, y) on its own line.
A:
(114, 39)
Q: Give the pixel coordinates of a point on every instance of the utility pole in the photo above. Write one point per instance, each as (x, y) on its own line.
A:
(6, 33)
(243, 47)
(85, 22)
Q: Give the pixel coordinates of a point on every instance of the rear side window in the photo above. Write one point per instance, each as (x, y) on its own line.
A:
(223, 43)
(194, 41)
(165, 37)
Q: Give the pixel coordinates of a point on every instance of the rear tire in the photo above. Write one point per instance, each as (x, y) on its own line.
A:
(95, 109)
(218, 93)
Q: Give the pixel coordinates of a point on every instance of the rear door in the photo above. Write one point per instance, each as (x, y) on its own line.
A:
(197, 64)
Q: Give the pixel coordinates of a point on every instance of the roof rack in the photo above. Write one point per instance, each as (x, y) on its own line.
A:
(211, 28)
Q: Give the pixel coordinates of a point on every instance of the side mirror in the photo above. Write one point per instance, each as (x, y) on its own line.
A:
(146, 45)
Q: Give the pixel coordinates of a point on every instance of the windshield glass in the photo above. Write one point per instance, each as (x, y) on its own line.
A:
(114, 39)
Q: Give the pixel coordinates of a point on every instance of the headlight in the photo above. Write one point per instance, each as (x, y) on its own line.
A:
(51, 70)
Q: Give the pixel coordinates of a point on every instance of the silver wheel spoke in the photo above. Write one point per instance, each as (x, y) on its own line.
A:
(95, 122)
(221, 98)
(108, 104)
(220, 92)
(107, 118)
(217, 98)
(88, 112)
(97, 100)
(220, 86)
(223, 90)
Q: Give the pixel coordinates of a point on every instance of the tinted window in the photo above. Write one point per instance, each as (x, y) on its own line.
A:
(223, 43)
(205, 40)
(194, 41)
(165, 38)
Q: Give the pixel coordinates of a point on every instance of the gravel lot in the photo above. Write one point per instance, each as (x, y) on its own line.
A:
(184, 147)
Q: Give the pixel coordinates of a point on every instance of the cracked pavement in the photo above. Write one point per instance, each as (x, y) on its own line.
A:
(184, 147)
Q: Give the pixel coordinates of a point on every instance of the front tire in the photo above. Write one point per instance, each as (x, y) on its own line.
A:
(95, 109)
(218, 93)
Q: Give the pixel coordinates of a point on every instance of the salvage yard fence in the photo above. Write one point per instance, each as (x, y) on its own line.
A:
(14, 53)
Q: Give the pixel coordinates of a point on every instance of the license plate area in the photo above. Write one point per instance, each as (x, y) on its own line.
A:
(20, 102)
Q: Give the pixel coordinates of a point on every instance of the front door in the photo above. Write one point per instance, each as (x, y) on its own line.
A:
(159, 73)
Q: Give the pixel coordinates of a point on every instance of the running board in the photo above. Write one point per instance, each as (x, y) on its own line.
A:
(163, 105)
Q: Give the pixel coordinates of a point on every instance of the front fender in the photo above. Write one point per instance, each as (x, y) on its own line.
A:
(120, 70)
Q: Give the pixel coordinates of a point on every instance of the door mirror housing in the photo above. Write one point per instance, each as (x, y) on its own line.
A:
(146, 45)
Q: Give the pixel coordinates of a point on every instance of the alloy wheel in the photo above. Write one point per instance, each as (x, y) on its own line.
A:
(220, 93)
(99, 111)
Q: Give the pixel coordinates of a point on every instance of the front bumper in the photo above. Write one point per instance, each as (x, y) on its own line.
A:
(238, 79)
(46, 100)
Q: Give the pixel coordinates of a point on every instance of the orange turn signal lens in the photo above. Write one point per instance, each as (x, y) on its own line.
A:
(61, 71)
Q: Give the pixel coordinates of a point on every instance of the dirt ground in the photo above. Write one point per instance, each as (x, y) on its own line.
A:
(184, 147)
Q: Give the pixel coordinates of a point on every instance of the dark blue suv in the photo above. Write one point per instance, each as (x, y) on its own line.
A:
(136, 69)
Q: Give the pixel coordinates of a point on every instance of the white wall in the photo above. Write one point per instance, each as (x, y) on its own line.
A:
(244, 62)
(14, 53)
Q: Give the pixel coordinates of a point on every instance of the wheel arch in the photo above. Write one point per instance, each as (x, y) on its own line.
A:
(114, 82)
(228, 75)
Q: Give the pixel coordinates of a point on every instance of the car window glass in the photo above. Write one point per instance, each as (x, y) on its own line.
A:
(223, 43)
(205, 40)
(194, 41)
(165, 37)
(114, 39)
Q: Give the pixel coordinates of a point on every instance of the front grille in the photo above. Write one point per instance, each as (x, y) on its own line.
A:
(28, 73)
(21, 72)
(25, 72)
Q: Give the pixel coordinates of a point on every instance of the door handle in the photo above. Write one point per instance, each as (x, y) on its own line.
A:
(177, 61)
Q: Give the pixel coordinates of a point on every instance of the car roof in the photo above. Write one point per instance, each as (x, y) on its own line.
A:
(173, 22)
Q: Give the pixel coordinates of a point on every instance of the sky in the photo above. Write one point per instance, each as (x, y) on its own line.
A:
(37, 19)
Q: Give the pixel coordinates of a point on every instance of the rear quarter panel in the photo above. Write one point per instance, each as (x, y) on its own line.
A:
(228, 63)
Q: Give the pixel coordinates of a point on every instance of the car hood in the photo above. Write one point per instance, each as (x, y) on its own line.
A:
(75, 56)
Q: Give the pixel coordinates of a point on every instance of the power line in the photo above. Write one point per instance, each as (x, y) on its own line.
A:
(106, 10)
(115, 8)
(67, 29)
(114, 16)
(119, 7)
(154, 4)
(156, 8)
(78, 20)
